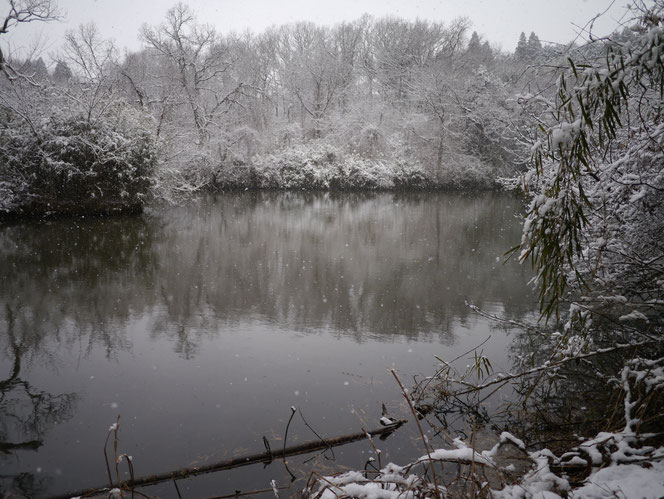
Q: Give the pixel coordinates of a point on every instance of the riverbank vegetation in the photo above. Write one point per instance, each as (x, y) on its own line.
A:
(371, 104)
(63, 159)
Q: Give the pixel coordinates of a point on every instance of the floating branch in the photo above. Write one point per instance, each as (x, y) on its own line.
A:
(236, 462)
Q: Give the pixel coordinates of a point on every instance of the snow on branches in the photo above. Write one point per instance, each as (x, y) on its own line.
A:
(597, 181)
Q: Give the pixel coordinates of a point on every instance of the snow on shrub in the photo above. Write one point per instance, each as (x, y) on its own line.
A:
(466, 172)
(69, 163)
(320, 166)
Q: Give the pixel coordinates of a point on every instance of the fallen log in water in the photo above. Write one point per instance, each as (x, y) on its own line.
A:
(236, 462)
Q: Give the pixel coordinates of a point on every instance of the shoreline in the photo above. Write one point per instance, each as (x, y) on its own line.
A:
(77, 211)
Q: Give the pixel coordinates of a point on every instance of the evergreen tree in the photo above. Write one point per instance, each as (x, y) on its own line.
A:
(62, 74)
(39, 69)
(534, 45)
(474, 43)
(521, 51)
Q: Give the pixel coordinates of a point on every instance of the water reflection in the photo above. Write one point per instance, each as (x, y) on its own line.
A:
(357, 264)
(380, 265)
(82, 273)
(157, 314)
(26, 412)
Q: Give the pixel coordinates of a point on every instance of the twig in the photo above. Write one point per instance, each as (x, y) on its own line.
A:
(175, 482)
(472, 464)
(114, 429)
(115, 450)
(497, 318)
(430, 379)
(417, 421)
(249, 493)
(315, 433)
(108, 467)
(380, 466)
(266, 443)
(293, 410)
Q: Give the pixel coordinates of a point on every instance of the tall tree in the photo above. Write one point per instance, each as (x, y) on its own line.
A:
(195, 57)
(62, 74)
(94, 61)
(522, 52)
(474, 43)
(311, 71)
(534, 45)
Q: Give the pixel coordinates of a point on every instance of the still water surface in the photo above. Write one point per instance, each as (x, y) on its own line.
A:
(202, 325)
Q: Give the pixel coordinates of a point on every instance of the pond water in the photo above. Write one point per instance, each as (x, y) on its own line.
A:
(202, 325)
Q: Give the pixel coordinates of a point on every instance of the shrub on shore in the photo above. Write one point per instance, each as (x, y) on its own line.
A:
(320, 166)
(67, 163)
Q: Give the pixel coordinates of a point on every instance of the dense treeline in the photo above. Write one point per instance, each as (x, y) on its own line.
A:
(371, 104)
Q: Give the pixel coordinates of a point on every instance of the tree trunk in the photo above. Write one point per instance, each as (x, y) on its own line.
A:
(439, 160)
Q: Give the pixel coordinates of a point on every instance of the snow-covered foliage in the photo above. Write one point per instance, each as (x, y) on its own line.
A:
(71, 144)
(233, 110)
(404, 104)
(320, 166)
(624, 463)
(57, 159)
(597, 183)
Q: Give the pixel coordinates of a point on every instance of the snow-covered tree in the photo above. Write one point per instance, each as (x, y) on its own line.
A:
(57, 159)
(62, 75)
(534, 44)
(474, 42)
(195, 58)
(521, 52)
(72, 149)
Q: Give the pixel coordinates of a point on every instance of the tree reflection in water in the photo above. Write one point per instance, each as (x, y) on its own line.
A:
(26, 413)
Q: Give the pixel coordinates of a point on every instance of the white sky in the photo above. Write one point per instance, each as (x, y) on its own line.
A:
(499, 21)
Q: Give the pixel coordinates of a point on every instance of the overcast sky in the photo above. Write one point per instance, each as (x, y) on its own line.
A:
(500, 21)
